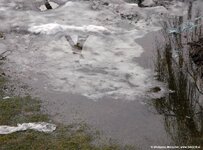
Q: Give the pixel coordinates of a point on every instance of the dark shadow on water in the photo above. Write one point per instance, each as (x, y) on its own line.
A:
(182, 107)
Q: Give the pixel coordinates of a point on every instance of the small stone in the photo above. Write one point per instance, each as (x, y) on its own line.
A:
(155, 89)
(106, 3)
(1, 35)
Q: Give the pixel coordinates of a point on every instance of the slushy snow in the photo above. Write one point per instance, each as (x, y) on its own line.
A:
(41, 127)
(107, 64)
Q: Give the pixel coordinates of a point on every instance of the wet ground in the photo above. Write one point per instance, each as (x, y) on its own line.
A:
(97, 64)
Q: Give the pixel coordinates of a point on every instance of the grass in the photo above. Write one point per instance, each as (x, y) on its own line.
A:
(27, 109)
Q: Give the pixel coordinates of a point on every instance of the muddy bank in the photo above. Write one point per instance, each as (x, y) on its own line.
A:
(24, 126)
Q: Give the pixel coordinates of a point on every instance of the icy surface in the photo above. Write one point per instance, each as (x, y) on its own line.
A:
(107, 64)
(41, 127)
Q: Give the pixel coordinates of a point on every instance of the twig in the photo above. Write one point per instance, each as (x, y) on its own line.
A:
(3, 57)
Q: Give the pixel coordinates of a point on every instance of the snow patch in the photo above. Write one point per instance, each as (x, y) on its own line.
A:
(6, 97)
(53, 28)
(107, 63)
(41, 127)
(105, 67)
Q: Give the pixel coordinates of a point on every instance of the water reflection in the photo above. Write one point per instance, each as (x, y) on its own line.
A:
(182, 109)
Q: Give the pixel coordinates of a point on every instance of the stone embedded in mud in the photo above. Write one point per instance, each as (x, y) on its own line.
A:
(155, 89)
(48, 5)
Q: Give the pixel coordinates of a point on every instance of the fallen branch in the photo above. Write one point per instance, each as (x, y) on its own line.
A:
(4, 55)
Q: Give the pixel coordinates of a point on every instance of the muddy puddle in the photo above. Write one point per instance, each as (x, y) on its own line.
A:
(120, 68)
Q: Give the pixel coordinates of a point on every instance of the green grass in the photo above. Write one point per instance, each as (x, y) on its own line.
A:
(19, 110)
(27, 109)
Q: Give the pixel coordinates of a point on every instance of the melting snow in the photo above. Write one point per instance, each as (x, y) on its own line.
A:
(53, 28)
(41, 127)
(6, 97)
(106, 65)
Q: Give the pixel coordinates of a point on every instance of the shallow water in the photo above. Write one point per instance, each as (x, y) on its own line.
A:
(109, 84)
